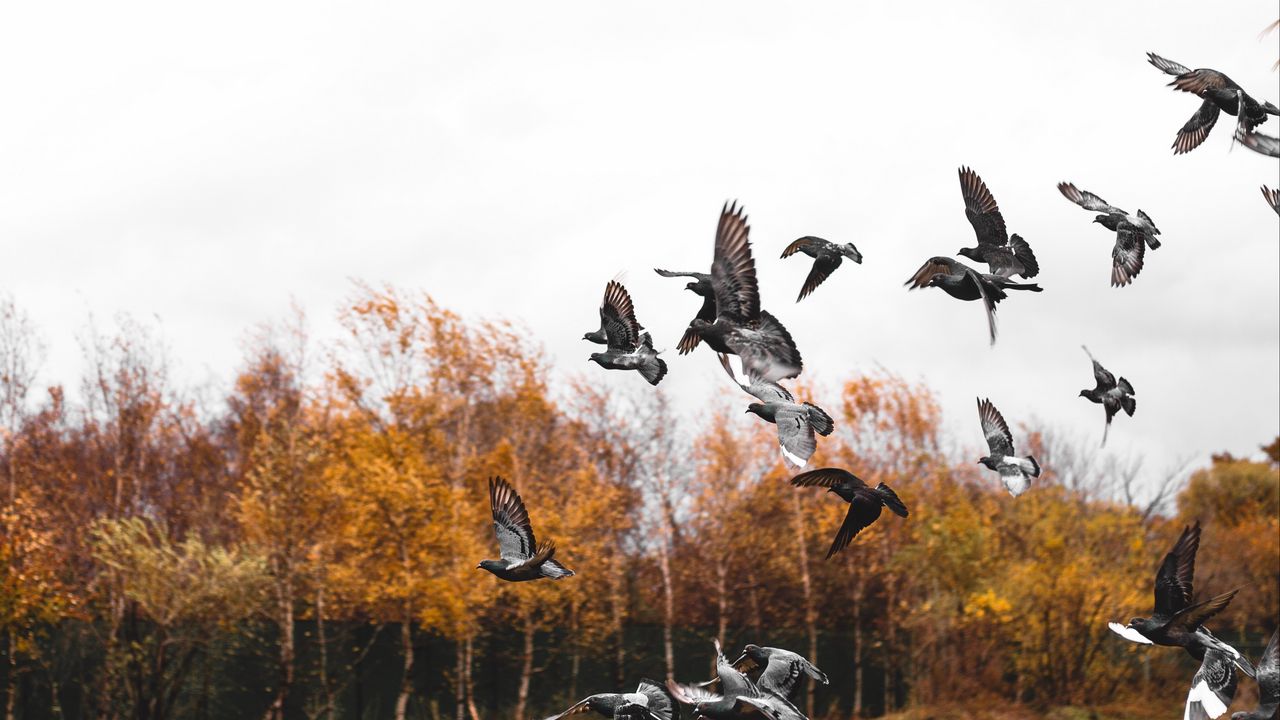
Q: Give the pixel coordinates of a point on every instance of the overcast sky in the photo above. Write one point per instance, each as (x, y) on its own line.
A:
(205, 166)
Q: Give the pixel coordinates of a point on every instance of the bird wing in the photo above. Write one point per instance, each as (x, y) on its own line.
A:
(1086, 199)
(1102, 376)
(691, 694)
(733, 271)
(1268, 672)
(1173, 588)
(1272, 197)
(937, 265)
(618, 317)
(795, 435)
(826, 477)
(1128, 633)
(579, 707)
(764, 390)
(808, 241)
(988, 300)
(766, 349)
(1212, 687)
(981, 209)
(677, 273)
(690, 339)
(995, 429)
(1196, 129)
(510, 522)
(1202, 81)
(1259, 143)
(1126, 256)
(864, 510)
(661, 704)
(1168, 66)
(1193, 616)
(823, 266)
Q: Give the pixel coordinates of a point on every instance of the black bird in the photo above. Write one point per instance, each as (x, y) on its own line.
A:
(1004, 254)
(1268, 684)
(700, 286)
(826, 255)
(650, 701)
(738, 696)
(1219, 93)
(522, 557)
(762, 345)
(864, 501)
(1272, 197)
(1016, 472)
(964, 283)
(1114, 395)
(1213, 687)
(796, 421)
(629, 347)
(1132, 231)
(1257, 142)
(1175, 621)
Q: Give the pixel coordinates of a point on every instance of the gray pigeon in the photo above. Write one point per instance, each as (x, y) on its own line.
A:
(650, 701)
(1131, 232)
(1016, 472)
(1114, 395)
(1268, 677)
(1004, 254)
(864, 501)
(1212, 687)
(964, 283)
(826, 255)
(1272, 197)
(738, 696)
(780, 670)
(796, 421)
(1257, 142)
(521, 556)
(700, 286)
(761, 345)
(1219, 93)
(629, 347)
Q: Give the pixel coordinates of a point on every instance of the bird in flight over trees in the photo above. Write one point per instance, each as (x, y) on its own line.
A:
(521, 557)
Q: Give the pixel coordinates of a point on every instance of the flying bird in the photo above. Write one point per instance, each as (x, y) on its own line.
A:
(1257, 142)
(1213, 687)
(650, 701)
(964, 283)
(1132, 231)
(774, 670)
(1016, 472)
(1219, 93)
(521, 556)
(738, 696)
(826, 255)
(864, 501)
(1272, 197)
(629, 347)
(761, 344)
(1175, 621)
(796, 421)
(1005, 255)
(1268, 684)
(700, 286)
(1113, 395)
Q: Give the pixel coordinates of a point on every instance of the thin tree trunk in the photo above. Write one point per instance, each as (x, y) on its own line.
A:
(460, 681)
(11, 689)
(470, 687)
(406, 677)
(284, 606)
(526, 670)
(722, 600)
(668, 603)
(617, 598)
(806, 584)
(324, 652)
(575, 660)
(859, 677)
(753, 596)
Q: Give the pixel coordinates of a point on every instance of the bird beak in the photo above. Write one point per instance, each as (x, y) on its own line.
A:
(478, 567)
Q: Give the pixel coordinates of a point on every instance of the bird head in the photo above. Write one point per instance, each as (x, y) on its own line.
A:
(851, 252)
(1083, 394)
(968, 252)
(597, 358)
(490, 565)
(988, 461)
(756, 653)
(756, 408)
(691, 286)
(699, 325)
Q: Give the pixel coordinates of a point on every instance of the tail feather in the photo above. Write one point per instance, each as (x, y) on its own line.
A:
(1129, 403)
(1022, 251)
(653, 369)
(1035, 466)
(820, 420)
(891, 500)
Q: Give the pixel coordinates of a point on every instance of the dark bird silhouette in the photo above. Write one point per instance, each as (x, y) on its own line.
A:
(864, 501)
(1113, 395)
(1219, 93)
(521, 556)
(1257, 142)
(650, 701)
(1212, 687)
(1268, 677)
(629, 347)
(964, 283)
(1175, 621)
(1272, 197)
(1004, 255)
(1016, 472)
(700, 286)
(761, 344)
(777, 671)
(826, 255)
(738, 697)
(1133, 232)
(796, 421)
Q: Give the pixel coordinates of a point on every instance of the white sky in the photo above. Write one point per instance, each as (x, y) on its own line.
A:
(207, 165)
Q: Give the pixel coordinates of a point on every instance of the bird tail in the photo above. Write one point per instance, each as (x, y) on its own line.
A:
(1154, 230)
(820, 420)
(653, 369)
(891, 500)
(1009, 285)
(1128, 402)
(1022, 252)
(555, 570)
(1035, 466)
(785, 359)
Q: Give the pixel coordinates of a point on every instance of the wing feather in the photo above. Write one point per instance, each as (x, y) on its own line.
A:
(995, 429)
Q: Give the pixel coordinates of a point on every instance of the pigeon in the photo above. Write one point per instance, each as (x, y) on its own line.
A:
(762, 346)
(1175, 621)
(1213, 687)
(826, 255)
(650, 701)
(1257, 142)
(964, 283)
(522, 557)
(1006, 255)
(1272, 197)
(700, 286)
(1016, 472)
(1111, 394)
(1219, 93)
(774, 670)
(738, 696)
(1268, 684)
(797, 422)
(864, 501)
(629, 348)
(1132, 231)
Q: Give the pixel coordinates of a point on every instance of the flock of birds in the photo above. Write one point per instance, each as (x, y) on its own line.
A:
(757, 353)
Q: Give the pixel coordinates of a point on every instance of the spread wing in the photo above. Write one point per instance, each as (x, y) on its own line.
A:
(577, 708)
(1168, 66)
(1086, 199)
(1212, 687)
(1269, 672)
(1202, 81)
(996, 431)
(937, 265)
(1272, 197)
(864, 510)
(1259, 143)
(1126, 256)
(1196, 615)
(826, 477)
(784, 670)
(661, 704)
(1173, 590)
(1102, 376)
(981, 209)
(676, 273)
(823, 266)
(618, 317)
(795, 435)
(809, 241)
(764, 390)
(510, 522)
(733, 271)
(1196, 129)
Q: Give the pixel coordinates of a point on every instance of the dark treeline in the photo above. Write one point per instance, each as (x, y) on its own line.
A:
(306, 545)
